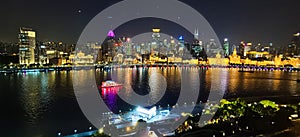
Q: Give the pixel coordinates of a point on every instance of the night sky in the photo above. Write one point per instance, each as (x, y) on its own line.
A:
(261, 21)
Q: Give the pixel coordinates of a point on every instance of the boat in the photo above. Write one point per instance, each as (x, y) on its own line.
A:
(110, 84)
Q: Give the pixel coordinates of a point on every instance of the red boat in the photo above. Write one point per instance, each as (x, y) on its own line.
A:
(110, 84)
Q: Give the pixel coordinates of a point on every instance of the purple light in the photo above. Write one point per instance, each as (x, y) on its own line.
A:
(111, 34)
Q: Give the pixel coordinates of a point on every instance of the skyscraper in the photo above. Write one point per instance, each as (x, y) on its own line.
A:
(241, 48)
(226, 47)
(156, 38)
(247, 48)
(108, 48)
(212, 48)
(27, 45)
(296, 42)
(196, 34)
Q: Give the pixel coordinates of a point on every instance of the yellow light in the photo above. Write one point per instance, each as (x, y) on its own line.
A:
(156, 30)
(101, 130)
(50, 52)
(128, 129)
(31, 33)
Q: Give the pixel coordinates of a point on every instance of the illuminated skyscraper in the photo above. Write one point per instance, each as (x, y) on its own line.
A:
(108, 48)
(226, 47)
(212, 49)
(247, 48)
(196, 34)
(156, 35)
(181, 46)
(241, 48)
(296, 43)
(128, 47)
(172, 43)
(156, 38)
(27, 45)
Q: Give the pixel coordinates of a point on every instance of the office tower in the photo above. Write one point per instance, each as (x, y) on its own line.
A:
(212, 48)
(247, 48)
(156, 38)
(108, 48)
(226, 47)
(196, 34)
(241, 48)
(27, 45)
(296, 43)
(128, 47)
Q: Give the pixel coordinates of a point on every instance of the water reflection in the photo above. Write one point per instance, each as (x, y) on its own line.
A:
(35, 95)
(46, 100)
(110, 95)
(221, 81)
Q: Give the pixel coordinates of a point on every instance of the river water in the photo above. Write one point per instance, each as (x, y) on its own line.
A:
(44, 104)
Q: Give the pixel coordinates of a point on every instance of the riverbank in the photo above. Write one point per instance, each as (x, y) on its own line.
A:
(240, 68)
(239, 117)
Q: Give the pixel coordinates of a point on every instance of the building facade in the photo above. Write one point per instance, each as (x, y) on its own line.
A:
(27, 43)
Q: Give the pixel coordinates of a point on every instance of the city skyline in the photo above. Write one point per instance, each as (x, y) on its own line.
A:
(275, 22)
(150, 68)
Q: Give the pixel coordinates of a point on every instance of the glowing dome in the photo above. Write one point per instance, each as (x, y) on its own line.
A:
(111, 34)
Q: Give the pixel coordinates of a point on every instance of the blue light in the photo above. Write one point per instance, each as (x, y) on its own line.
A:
(181, 38)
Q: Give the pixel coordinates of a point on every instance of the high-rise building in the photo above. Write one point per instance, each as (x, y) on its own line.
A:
(247, 48)
(172, 44)
(241, 48)
(181, 46)
(296, 39)
(296, 42)
(226, 47)
(128, 47)
(27, 45)
(156, 38)
(108, 48)
(212, 48)
(196, 34)
(197, 46)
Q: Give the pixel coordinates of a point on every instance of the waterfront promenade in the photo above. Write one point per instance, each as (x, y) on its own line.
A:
(87, 67)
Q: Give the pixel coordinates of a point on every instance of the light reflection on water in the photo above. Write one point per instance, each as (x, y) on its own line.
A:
(231, 83)
(48, 104)
(34, 95)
